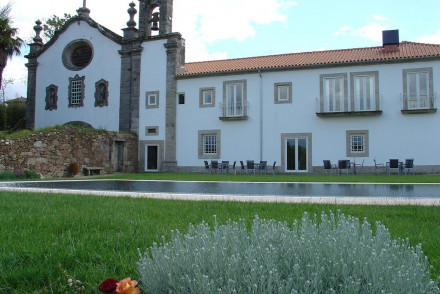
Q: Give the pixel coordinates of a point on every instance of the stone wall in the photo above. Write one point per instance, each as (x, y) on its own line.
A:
(50, 153)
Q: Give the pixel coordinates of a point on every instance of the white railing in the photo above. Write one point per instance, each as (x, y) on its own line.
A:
(421, 101)
(353, 104)
(231, 110)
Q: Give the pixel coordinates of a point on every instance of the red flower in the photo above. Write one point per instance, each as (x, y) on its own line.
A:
(108, 286)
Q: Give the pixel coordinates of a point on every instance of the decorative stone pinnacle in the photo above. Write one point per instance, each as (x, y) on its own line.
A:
(131, 11)
(83, 11)
(38, 28)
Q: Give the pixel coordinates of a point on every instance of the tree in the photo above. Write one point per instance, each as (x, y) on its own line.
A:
(53, 24)
(9, 43)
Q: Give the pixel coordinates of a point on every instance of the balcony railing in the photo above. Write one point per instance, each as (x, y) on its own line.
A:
(419, 103)
(234, 111)
(354, 106)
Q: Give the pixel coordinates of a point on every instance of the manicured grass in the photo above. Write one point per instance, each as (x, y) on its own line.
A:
(93, 238)
(280, 178)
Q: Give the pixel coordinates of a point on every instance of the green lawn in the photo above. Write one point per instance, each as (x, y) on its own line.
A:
(93, 238)
(279, 178)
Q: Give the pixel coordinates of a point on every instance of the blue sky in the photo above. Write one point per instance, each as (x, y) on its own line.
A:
(219, 29)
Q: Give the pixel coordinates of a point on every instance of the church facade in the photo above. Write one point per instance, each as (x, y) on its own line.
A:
(365, 104)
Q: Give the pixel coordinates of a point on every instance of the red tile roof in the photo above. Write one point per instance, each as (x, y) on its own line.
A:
(407, 50)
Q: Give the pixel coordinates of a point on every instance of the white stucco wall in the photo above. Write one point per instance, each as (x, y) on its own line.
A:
(153, 78)
(106, 64)
(391, 134)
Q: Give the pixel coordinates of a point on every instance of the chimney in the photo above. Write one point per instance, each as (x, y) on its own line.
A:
(390, 40)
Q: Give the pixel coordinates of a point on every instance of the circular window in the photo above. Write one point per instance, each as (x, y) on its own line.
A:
(77, 55)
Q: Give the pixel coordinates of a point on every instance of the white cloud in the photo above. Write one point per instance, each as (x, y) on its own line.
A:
(204, 22)
(342, 31)
(433, 39)
(380, 18)
(371, 31)
(201, 22)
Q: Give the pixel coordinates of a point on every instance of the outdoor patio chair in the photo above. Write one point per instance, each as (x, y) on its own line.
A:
(378, 166)
(262, 167)
(242, 166)
(328, 167)
(250, 166)
(206, 166)
(273, 167)
(214, 166)
(344, 165)
(225, 166)
(409, 166)
(394, 164)
(233, 167)
(358, 167)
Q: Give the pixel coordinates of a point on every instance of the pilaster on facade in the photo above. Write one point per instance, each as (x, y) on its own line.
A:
(174, 51)
(131, 54)
(31, 93)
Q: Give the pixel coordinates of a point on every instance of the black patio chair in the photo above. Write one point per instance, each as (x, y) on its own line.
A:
(206, 166)
(409, 166)
(328, 167)
(378, 166)
(394, 164)
(233, 168)
(273, 167)
(262, 167)
(225, 166)
(250, 166)
(344, 165)
(242, 167)
(214, 166)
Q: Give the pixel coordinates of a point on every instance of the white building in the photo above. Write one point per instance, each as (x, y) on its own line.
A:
(299, 109)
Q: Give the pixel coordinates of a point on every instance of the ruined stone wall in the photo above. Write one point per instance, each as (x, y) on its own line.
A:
(50, 153)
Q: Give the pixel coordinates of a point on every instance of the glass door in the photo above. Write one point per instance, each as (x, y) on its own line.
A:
(296, 154)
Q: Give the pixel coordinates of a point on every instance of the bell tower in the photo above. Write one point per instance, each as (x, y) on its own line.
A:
(155, 15)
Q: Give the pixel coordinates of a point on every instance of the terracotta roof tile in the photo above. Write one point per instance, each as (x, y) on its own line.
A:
(407, 50)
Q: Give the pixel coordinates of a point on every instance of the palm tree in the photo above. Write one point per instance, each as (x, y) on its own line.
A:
(9, 43)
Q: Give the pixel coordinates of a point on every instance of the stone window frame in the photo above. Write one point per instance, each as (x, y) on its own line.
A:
(322, 77)
(155, 128)
(225, 116)
(276, 92)
(201, 134)
(51, 97)
(147, 99)
(202, 103)
(430, 108)
(69, 50)
(349, 151)
(71, 88)
(101, 101)
(375, 75)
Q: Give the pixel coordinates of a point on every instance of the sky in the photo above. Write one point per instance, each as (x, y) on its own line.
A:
(221, 29)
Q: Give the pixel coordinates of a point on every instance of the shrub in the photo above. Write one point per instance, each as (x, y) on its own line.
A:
(7, 175)
(335, 254)
(31, 174)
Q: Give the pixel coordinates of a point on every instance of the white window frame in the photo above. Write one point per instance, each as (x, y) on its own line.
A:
(365, 91)
(420, 95)
(235, 98)
(334, 93)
